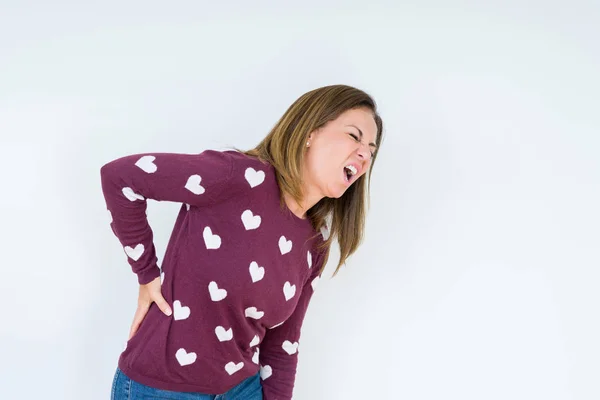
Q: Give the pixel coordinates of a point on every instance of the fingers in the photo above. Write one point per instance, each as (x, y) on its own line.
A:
(163, 305)
(156, 296)
(149, 293)
(140, 313)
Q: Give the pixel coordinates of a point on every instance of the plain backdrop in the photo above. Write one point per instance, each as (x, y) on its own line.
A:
(479, 275)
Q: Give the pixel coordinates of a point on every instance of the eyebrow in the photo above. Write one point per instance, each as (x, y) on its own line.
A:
(361, 135)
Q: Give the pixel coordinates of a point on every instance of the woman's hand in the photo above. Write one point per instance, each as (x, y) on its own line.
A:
(149, 293)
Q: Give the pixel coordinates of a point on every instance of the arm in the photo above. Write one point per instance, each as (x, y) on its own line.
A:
(279, 348)
(195, 179)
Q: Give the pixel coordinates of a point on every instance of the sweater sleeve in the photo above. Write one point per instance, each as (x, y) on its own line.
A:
(127, 182)
(279, 348)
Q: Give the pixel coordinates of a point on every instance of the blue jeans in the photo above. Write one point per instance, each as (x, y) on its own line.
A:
(125, 388)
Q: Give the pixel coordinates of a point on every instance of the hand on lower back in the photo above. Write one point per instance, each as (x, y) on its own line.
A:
(148, 294)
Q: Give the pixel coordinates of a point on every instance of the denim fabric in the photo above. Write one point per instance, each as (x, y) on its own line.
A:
(125, 388)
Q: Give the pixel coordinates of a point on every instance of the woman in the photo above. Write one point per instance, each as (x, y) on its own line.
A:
(247, 250)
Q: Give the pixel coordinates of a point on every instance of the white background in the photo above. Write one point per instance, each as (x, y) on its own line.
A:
(479, 276)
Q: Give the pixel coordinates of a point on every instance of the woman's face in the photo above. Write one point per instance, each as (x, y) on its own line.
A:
(340, 152)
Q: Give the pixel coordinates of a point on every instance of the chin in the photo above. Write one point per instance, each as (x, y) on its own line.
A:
(334, 191)
(337, 193)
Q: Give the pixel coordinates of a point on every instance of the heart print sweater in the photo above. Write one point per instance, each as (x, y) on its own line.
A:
(239, 271)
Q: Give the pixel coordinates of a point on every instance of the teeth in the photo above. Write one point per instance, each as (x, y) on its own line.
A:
(352, 169)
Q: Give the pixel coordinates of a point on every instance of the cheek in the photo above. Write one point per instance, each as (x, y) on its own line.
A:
(322, 166)
(317, 163)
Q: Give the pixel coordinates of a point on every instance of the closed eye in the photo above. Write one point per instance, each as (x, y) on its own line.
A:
(358, 140)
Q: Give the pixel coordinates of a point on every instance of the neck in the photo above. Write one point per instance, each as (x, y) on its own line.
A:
(305, 204)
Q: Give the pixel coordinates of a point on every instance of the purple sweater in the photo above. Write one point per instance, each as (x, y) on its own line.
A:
(239, 271)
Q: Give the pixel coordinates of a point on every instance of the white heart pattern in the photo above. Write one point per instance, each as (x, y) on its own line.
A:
(131, 195)
(146, 163)
(256, 272)
(184, 358)
(193, 184)
(253, 177)
(180, 312)
(232, 368)
(250, 220)
(309, 259)
(255, 341)
(223, 335)
(216, 294)
(289, 291)
(252, 312)
(265, 372)
(211, 241)
(285, 246)
(255, 356)
(289, 347)
(315, 282)
(136, 252)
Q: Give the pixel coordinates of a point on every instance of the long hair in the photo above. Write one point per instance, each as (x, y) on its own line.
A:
(284, 148)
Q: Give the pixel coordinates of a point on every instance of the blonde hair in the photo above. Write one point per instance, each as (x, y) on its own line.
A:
(284, 148)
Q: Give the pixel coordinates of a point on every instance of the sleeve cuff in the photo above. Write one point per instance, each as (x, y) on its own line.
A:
(148, 276)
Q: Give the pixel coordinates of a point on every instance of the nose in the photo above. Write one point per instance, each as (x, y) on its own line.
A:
(364, 151)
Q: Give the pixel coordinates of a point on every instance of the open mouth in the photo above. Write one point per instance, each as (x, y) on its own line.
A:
(349, 173)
